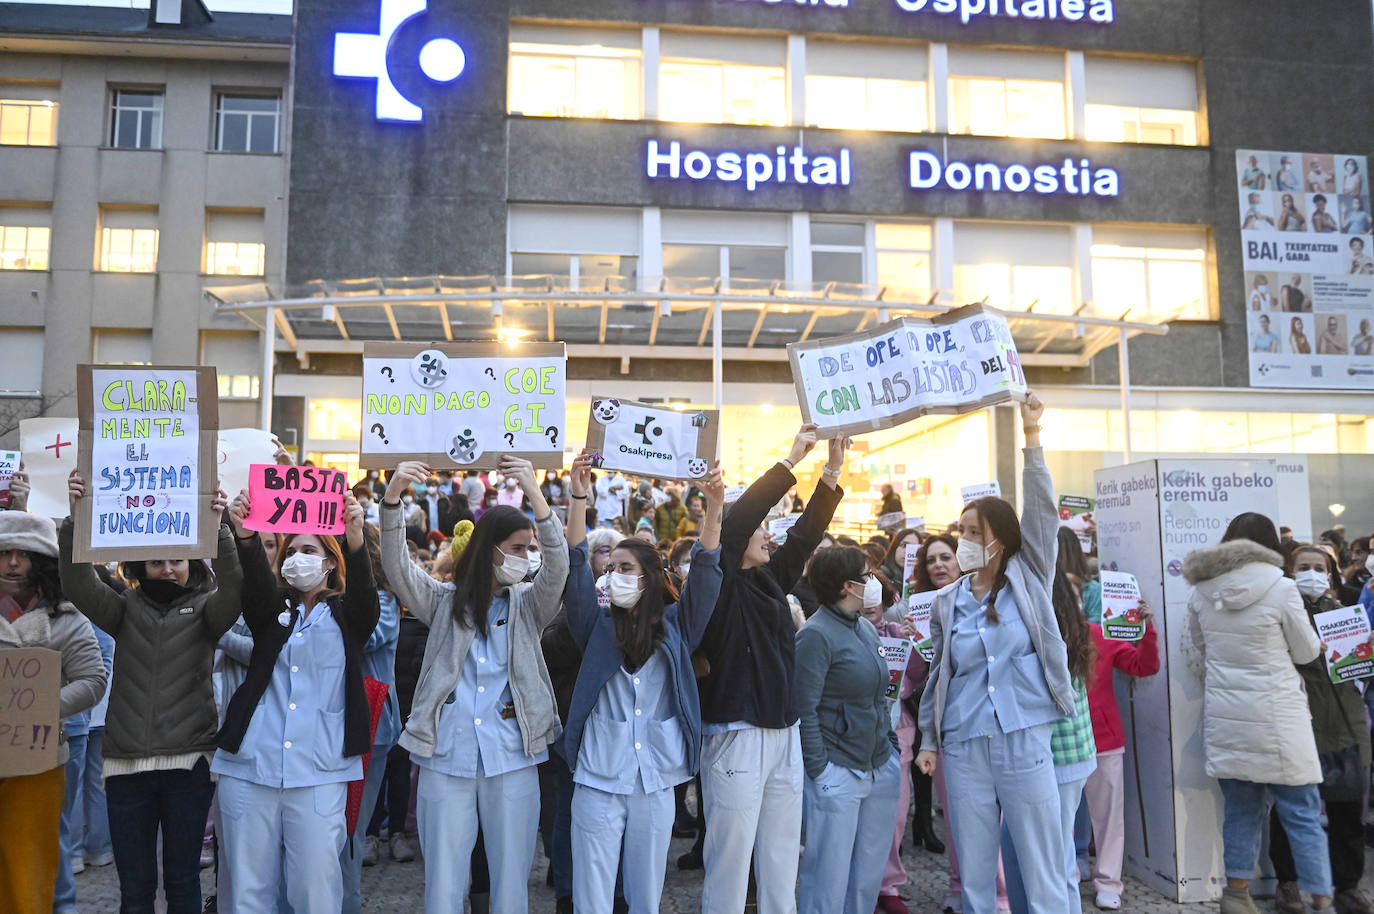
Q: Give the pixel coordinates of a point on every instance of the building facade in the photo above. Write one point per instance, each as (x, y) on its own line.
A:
(1073, 157)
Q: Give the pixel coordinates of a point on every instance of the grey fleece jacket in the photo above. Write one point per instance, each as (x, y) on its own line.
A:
(842, 693)
(532, 607)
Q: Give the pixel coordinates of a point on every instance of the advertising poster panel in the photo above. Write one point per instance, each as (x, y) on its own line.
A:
(1309, 274)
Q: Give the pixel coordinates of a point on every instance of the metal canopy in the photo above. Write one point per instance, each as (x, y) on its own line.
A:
(617, 315)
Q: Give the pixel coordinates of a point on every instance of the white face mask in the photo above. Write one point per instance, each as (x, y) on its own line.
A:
(407, 500)
(513, 569)
(971, 556)
(535, 560)
(873, 592)
(302, 571)
(432, 490)
(1262, 289)
(1312, 583)
(1369, 563)
(623, 589)
(683, 569)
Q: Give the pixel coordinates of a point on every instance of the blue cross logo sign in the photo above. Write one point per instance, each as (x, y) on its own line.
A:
(359, 55)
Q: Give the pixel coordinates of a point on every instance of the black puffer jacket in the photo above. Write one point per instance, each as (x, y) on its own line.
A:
(410, 656)
(163, 700)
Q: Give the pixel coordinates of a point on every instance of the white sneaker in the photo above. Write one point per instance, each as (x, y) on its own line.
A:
(78, 865)
(953, 904)
(105, 858)
(1109, 901)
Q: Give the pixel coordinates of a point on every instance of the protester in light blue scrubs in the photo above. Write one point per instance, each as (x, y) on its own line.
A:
(634, 727)
(295, 730)
(484, 713)
(379, 663)
(999, 682)
(1073, 744)
(849, 748)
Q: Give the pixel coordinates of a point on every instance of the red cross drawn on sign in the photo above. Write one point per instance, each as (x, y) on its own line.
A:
(58, 446)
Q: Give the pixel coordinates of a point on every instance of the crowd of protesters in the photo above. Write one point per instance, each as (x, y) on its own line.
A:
(486, 660)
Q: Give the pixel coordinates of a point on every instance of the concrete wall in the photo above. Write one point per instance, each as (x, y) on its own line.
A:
(181, 180)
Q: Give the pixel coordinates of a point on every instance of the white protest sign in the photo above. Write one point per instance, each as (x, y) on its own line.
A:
(897, 653)
(147, 451)
(30, 692)
(778, 527)
(915, 523)
(891, 521)
(239, 448)
(732, 493)
(49, 449)
(982, 490)
(957, 362)
(909, 568)
(1121, 619)
(9, 462)
(1345, 632)
(463, 404)
(652, 440)
(919, 606)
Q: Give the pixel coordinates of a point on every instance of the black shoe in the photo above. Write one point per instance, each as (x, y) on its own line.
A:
(930, 841)
(212, 906)
(562, 906)
(690, 860)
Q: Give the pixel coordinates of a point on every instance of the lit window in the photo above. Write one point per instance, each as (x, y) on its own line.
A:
(247, 123)
(23, 247)
(26, 122)
(866, 86)
(564, 72)
(1157, 274)
(718, 80)
(334, 419)
(128, 250)
(904, 251)
(237, 360)
(234, 258)
(1137, 101)
(1042, 274)
(1007, 107)
(136, 120)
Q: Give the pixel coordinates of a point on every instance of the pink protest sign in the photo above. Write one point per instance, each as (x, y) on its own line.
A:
(295, 499)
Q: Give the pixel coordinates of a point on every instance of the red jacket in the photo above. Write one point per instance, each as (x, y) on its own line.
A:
(1138, 658)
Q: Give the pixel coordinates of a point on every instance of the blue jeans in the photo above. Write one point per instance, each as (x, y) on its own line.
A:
(1247, 815)
(69, 836)
(176, 802)
(1070, 795)
(849, 816)
(351, 857)
(93, 796)
(1007, 776)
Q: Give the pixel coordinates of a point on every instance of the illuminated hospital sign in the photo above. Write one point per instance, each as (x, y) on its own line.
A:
(1081, 177)
(753, 169)
(1099, 11)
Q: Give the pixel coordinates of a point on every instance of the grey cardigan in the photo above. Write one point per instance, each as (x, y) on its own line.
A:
(842, 693)
(1030, 576)
(532, 607)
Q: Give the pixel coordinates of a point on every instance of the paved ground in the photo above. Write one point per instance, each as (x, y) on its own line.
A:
(398, 888)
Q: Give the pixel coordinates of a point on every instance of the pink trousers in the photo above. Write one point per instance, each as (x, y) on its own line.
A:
(1106, 795)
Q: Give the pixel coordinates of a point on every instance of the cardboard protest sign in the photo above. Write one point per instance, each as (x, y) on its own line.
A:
(909, 568)
(919, 607)
(982, 490)
(650, 439)
(9, 462)
(49, 449)
(146, 445)
(1121, 619)
(240, 448)
(30, 692)
(1076, 513)
(463, 405)
(897, 653)
(296, 499)
(1345, 632)
(957, 362)
(778, 527)
(891, 521)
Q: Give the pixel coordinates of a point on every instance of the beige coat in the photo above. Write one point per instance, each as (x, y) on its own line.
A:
(1246, 629)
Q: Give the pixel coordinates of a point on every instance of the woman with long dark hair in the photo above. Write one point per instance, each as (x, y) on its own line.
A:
(33, 614)
(484, 714)
(295, 730)
(634, 727)
(999, 681)
(1072, 562)
(161, 720)
(1247, 629)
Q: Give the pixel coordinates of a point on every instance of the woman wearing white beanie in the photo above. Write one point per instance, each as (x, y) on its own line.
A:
(34, 615)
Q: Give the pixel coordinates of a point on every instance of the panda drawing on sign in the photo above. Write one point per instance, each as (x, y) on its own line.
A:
(696, 467)
(606, 411)
(463, 449)
(429, 369)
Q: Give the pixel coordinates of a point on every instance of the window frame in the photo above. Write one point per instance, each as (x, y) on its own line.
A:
(30, 104)
(115, 108)
(106, 239)
(217, 139)
(6, 229)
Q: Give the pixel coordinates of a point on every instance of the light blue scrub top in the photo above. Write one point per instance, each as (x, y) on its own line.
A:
(478, 733)
(296, 736)
(998, 684)
(632, 742)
